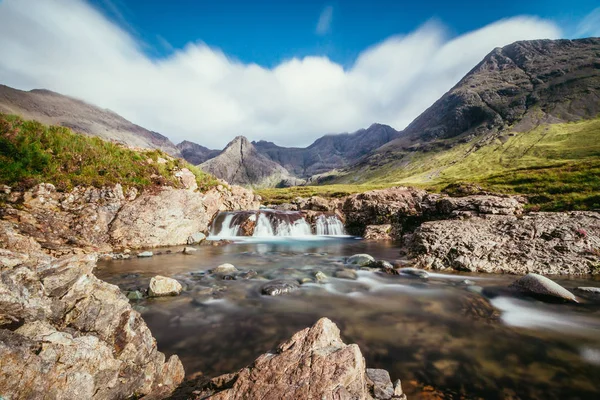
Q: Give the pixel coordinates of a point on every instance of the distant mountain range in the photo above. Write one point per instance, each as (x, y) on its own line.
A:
(512, 91)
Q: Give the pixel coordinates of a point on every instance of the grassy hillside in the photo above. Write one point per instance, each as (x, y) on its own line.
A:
(31, 153)
(557, 166)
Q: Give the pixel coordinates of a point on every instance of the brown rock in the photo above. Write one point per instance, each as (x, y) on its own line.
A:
(65, 334)
(313, 364)
(378, 232)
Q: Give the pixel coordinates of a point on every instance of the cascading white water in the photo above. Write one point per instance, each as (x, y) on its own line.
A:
(272, 223)
(263, 227)
(329, 225)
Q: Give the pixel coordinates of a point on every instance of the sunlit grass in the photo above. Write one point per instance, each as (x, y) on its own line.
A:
(31, 153)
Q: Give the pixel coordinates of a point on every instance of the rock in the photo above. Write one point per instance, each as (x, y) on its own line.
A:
(189, 250)
(145, 254)
(346, 274)
(478, 205)
(224, 269)
(544, 243)
(380, 383)
(196, 238)
(418, 273)
(135, 295)
(279, 287)
(163, 286)
(187, 179)
(378, 232)
(73, 336)
(320, 277)
(313, 364)
(247, 274)
(534, 284)
(382, 207)
(360, 260)
(398, 393)
(594, 291)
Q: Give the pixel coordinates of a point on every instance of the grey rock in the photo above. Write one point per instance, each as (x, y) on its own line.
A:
(540, 285)
(360, 260)
(196, 238)
(145, 254)
(545, 243)
(380, 383)
(135, 295)
(590, 291)
(346, 274)
(279, 287)
(418, 273)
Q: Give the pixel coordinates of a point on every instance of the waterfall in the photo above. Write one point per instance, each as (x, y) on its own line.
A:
(272, 223)
(329, 225)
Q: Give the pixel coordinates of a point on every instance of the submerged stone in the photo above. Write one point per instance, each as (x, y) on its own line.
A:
(360, 260)
(279, 287)
(346, 274)
(418, 273)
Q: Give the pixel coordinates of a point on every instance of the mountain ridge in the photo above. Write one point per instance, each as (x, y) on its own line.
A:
(53, 108)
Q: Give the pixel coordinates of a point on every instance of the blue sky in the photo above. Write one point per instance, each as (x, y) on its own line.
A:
(268, 32)
(284, 71)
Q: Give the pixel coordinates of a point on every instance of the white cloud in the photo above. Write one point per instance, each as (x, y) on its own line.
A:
(324, 24)
(200, 94)
(590, 25)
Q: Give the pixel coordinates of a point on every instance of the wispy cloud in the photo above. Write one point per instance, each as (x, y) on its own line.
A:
(324, 23)
(590, 25)
(200, 94)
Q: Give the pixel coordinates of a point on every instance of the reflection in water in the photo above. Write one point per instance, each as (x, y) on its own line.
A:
(439, 332)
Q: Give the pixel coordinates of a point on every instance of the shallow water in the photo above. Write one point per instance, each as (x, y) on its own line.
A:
(443, 339)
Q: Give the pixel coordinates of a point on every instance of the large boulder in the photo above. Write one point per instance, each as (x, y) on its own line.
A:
(545, 243)
(313, 364)
(65, 334)
(379, 207)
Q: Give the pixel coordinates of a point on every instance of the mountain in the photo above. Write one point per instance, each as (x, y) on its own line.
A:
(56, 109)
(328, 152)
(195, 153)
(516, 102)
(241, 164)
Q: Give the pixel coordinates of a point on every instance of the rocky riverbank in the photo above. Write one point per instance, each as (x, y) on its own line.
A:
(477, 232)
(89, 219)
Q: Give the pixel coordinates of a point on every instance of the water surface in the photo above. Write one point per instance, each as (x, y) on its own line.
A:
(442, 338)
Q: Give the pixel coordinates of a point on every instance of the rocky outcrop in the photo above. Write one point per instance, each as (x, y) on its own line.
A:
(65, 334)
(241, 164)
(91, 219)
(405, 208)
(378, 232)
(313, 364)
(56, 109)
(545, 243)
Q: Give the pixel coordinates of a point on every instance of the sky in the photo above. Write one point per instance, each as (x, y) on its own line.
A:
(283, 71)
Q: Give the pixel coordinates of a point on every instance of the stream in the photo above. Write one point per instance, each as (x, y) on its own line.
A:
(448, 336)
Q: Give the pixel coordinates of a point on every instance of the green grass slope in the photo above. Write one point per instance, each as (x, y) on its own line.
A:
(31, 153)
(557, 166)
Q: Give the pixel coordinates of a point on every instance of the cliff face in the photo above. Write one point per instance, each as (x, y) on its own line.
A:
(518, 86)
(56, 109)
(241, 164)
